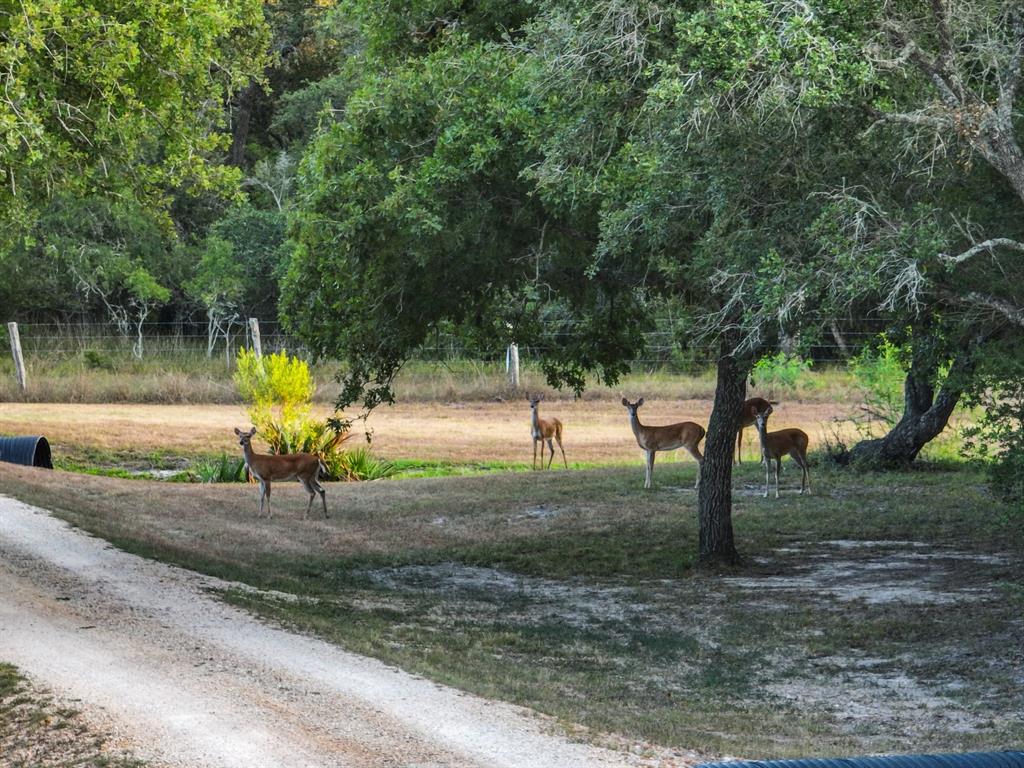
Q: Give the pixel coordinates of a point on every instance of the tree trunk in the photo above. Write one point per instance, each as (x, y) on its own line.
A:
(240, 124)
(925, 415)
(714, 498)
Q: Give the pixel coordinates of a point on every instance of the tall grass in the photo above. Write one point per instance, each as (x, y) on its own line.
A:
(191, 379)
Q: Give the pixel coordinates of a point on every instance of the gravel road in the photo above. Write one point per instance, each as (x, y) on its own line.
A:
(185, 680)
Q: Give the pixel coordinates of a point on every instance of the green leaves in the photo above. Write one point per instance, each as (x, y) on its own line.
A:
(117, 96)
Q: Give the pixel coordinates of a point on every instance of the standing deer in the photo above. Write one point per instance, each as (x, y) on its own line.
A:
(545, 430)
(751, 408)
(304, 467)
(685, 434)
(775, 445)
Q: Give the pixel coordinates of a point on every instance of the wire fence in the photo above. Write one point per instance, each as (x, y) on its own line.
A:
(94, 343)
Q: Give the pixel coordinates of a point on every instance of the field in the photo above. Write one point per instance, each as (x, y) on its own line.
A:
(596, 431)
(881, 613)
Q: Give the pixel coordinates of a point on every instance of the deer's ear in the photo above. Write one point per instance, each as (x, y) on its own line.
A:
(238, 431)
(639, 402)
(252, 431)
(625, 402)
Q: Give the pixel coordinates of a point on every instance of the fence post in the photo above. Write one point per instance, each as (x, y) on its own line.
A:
(19, 360)
(254, 329)
(512, 365)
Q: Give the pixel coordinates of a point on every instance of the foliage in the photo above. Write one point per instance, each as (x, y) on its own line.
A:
(781, 369)
(225, 469)
(998, 434)
(96, 360)
(358, 464)
(279, 390)
(258, 252)
(106, 97)
(880, 372)
(217, 283)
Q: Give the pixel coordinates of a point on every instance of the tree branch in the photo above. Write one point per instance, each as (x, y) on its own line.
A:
(1011, 80)
(988, 245)
(1010, 311)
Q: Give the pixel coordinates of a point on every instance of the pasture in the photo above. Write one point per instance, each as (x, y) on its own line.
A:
(880, 614)
(460, 432)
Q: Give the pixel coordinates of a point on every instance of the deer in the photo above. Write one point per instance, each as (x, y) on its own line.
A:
(545, 430)
(685, 434)
(751, 408)
(775, 445)
(304, 467)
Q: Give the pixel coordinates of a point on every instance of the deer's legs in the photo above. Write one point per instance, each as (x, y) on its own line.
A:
(312, 494)
(535, 452)
(649, 473)
(265, 495)
(739, 447)
(695, 452)
(323, 495)
(778, 467)
(805, 476)
(313, 487)
(766, 469)
(551, 453)
(563, 452)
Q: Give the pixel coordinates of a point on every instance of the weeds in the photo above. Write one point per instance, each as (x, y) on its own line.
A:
(358, 464)
(225, 469)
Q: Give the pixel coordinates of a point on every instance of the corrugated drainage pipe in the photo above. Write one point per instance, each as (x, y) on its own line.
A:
(962, 760)
(32, 451)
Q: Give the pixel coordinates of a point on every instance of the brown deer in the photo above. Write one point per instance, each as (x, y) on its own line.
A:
(775, 445)
(304, 467)
(545, 430)
(685, 434)
(751, 408)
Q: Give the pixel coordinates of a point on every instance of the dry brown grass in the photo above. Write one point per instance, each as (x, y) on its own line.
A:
(596, 431)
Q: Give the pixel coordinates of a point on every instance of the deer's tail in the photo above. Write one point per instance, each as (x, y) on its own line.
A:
(323, 468)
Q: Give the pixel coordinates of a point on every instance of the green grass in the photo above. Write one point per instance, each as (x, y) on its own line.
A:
(36, 731)
(576, 593)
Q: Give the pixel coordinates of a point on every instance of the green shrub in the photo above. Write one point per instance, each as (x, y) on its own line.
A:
(998, 434)
(226, 469)
(279, 390)
(358, 464)
(97, 361)
(780, 370)
(880, 372)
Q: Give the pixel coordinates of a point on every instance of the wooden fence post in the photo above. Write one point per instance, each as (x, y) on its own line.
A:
(254, 330)
(512, 364)
(19, 360)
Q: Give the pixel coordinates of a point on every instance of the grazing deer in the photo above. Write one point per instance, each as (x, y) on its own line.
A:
(685, 435)
(751, 408)
(775, 445)
(545, 430)
(304, 467)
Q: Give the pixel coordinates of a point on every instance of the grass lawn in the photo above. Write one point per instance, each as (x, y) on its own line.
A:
(881, 614)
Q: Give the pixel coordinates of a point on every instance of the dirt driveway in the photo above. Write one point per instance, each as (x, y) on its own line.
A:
(189, 681)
